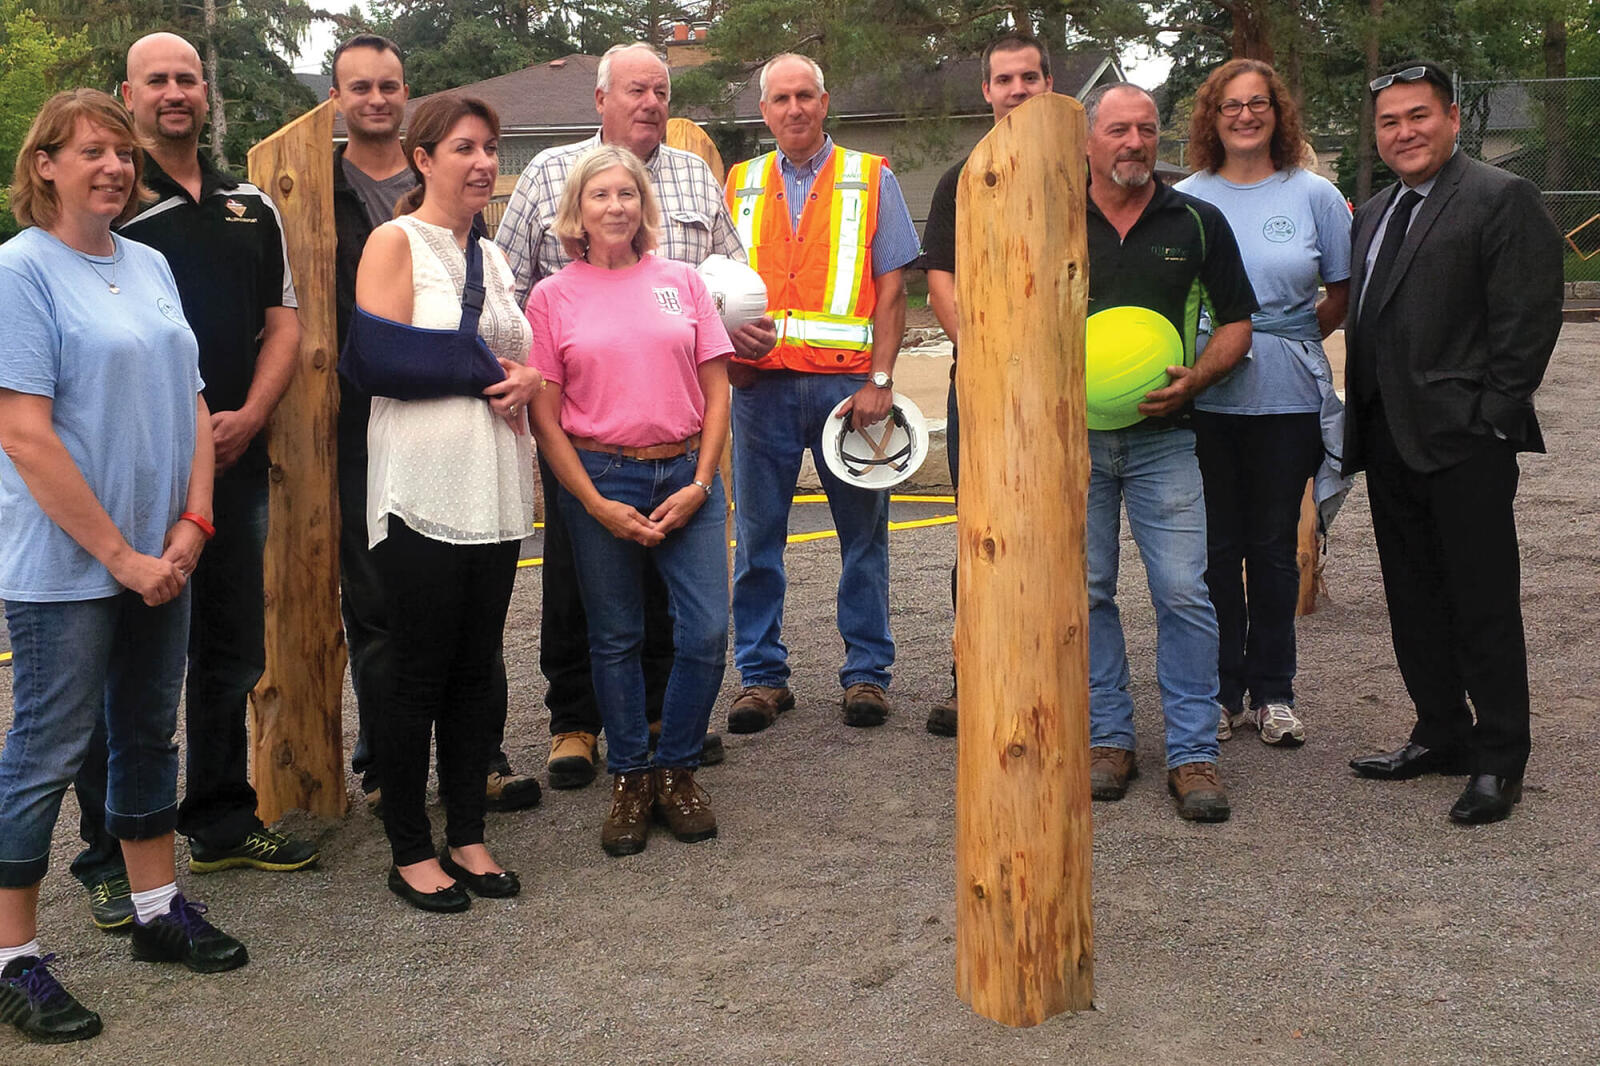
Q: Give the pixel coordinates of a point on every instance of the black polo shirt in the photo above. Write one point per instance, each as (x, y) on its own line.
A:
(228, 257)
(1179, 256)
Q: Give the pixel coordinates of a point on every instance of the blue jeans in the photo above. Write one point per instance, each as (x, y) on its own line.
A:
(1155, 473)
(774, 421)
(112, 664)
(692, 560)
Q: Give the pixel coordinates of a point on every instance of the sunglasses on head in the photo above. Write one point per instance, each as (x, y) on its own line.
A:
(1410, 74)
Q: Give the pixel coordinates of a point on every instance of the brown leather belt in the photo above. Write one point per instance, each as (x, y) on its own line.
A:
(653, 451)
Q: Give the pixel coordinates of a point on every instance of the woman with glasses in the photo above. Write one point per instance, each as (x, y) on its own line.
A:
(1258, 432)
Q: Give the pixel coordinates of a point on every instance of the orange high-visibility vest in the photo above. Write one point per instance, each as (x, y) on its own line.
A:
(820, 290)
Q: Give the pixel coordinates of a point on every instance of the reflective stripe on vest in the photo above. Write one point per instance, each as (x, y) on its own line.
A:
(750, 201)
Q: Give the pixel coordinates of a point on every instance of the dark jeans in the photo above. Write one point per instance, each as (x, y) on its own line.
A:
(366, 620)
(227, 654)
(1255, 469)
(1447, 544)
(564, 629)
(447, 616)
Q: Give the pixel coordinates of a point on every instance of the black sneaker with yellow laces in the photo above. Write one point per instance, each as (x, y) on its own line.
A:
(111, 902)
(262, 849)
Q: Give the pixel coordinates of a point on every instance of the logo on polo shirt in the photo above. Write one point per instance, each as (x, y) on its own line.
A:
(667, 298)
(237, 210)
(1278, 229)
(172, 311)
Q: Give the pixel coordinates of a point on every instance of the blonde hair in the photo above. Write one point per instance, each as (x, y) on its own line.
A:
(569, 215)
(34, 200)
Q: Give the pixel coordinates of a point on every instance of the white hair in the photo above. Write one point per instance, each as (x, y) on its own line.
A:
(816, 71)
(602, 80)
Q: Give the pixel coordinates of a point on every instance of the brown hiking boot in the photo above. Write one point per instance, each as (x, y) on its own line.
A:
(683, 806)
(1200, 795)
(503, 791)
(711, 750)
(572, 759)
(627, 827)
(864, 705)
(1110, 770)
(757, 707)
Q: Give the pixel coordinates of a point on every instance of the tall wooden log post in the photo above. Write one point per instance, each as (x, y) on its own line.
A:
(296, 732)
(1024, 921)
(686, 134)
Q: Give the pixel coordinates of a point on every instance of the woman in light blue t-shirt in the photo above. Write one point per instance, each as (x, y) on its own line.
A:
(1258, 432)
(105, 506)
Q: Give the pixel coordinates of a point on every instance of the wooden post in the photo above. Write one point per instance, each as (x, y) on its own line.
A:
(1024, 921)
(686, 134)
(296, 730)
(1308, 552)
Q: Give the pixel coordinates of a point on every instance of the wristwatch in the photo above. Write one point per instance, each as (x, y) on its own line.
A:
(881, 380)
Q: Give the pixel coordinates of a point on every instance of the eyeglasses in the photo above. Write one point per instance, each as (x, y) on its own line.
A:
(1408, 75)
(1258, 105)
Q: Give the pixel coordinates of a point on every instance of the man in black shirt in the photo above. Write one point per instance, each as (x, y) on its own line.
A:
(1016, 67)
(224, 242)
(1155, 248)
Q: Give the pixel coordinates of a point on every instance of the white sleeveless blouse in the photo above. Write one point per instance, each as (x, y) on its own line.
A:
(451, 468)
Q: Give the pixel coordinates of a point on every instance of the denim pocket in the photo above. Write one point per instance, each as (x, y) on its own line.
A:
(598, 464)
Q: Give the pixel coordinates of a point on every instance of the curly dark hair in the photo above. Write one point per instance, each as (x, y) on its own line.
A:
(1205, 147)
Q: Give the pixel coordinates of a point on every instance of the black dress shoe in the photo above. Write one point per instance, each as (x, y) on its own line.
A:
(1487, 798)
(1413, 760)
(502, 885)
(451, 900)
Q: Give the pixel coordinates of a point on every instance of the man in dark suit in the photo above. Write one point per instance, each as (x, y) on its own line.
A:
(1457, 277)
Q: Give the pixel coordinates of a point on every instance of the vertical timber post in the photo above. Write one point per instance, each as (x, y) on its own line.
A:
(1024, 920)
(296, 723)
(686, 134)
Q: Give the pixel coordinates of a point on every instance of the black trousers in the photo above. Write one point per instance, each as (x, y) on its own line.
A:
(1447, 544)
(1255, 469)
(564, 629)
(366, 619)
(447, 616)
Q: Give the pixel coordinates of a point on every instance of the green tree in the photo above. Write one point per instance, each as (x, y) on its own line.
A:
(32, 56)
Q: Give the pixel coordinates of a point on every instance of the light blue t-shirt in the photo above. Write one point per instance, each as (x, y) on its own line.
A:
(122, 371)
(1293, 230)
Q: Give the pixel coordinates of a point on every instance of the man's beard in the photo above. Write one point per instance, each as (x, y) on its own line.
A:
(1137, 180)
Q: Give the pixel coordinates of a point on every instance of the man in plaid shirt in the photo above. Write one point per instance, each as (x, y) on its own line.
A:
(632, 92)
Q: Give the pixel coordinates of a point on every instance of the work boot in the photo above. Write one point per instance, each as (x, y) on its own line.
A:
(627, 826)
(757, 707)
(1110, 770)
(507, 790)
(1200, 795)
(572, 759)
(942, 716)
(711, 750)
(864, 705)
(683, 806)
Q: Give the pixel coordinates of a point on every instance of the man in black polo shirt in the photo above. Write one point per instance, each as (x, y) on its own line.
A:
(225, 244)
(1152, 247)
(1016, 67)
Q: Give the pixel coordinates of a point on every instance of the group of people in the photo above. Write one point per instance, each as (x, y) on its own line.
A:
(127, 557)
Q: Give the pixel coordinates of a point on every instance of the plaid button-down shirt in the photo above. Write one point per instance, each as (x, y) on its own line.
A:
(696, 222)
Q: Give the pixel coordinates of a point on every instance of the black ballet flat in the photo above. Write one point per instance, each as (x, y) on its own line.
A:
(502, 885)
(451, 900)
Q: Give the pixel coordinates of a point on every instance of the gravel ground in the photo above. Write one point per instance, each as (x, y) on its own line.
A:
(1332, 920)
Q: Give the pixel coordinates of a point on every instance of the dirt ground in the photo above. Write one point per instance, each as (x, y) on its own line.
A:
(1332, 920)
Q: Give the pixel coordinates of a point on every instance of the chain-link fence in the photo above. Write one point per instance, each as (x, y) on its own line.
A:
(1548, 131)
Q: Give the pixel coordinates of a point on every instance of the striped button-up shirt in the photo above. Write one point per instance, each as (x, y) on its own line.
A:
(695, 223)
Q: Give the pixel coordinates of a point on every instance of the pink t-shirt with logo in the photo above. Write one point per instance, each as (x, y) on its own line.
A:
(625, 347)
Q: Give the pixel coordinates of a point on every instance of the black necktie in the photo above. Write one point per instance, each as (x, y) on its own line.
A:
(1393, 236)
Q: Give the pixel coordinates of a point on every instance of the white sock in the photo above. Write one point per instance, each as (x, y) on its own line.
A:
(18, 952)
(153, 904)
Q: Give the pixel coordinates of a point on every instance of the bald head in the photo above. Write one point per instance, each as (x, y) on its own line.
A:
(166, 89)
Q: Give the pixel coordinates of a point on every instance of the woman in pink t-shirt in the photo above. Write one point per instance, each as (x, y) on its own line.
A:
(636, 359)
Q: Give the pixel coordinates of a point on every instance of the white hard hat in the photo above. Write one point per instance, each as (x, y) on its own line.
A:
(737, 290)
(878, 456)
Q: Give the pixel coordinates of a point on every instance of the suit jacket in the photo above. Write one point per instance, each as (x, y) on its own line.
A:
(1466, 323)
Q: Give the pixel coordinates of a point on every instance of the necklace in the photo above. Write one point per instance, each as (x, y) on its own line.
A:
(111, 282)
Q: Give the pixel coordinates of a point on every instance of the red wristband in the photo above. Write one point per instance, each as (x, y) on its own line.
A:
(199, 520)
